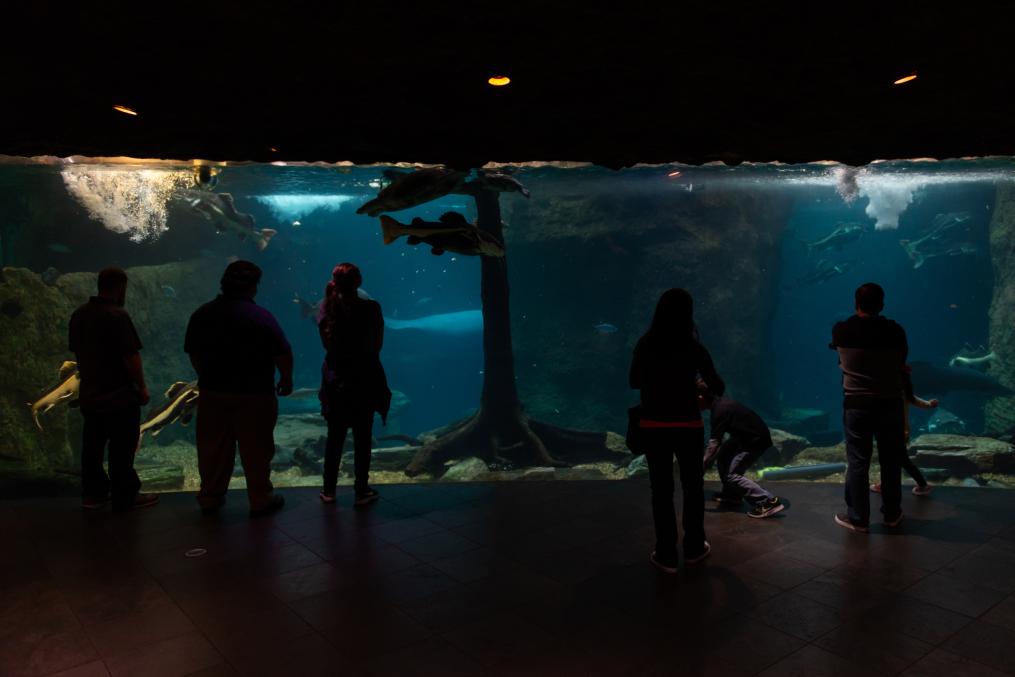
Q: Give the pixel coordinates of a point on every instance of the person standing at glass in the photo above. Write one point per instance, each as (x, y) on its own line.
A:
(353, 384)
(666, 365)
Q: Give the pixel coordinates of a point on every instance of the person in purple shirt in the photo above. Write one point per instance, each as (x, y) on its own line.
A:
(235, 346)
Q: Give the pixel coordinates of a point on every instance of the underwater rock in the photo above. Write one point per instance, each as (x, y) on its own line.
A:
(999, 413)
(160, 477)
(786, 447)
(391, 459)
(964, 455)
(724, 246)
(466, 470)
(50, 275)
(801, 421)
(11, 308)
(831, 454)
(637, 468)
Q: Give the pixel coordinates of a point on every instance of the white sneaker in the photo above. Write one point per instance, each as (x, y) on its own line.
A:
(921, 491)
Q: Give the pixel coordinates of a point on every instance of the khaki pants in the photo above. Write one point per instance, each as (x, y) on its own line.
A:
(228, 420)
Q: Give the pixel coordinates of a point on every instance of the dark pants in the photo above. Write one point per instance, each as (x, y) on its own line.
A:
(226, 421)
(732, 461)
(362, 422)
(120, 430)
(914, 472)
(686, 444)
(862, 427)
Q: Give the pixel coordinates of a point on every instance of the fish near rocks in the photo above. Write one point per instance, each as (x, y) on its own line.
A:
(451, 233)
(181, 401)
(66, 390)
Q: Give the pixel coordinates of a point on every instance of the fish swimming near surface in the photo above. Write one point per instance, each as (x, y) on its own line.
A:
(220, 210)
(605, 328)
(450, 324)
(66, 390)
(844, 234)
(974, 358)
(502, 182)
(824, 271)
(181, 401)
(410, 189)
(451, 233)
(937, 380)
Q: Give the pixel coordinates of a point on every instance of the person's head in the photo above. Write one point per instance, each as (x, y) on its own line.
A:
(705, 396)
(112, 285)
(870, 299)
(347, 278)
(241, 279)
(674, 316)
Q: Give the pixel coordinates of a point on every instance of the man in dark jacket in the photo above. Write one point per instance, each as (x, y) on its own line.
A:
(235, 347)
(872, 355)
(112, 393)
(748, 439)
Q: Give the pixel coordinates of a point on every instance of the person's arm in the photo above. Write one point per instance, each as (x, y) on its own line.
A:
(921, 403)
(634, 377)
(284, 362)
(136, 372)
(708, 373)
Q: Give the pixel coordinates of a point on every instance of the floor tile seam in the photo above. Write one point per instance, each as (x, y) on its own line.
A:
(932, 646)
(905, 592)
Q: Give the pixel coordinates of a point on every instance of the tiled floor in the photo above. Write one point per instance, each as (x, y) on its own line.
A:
(527, 578)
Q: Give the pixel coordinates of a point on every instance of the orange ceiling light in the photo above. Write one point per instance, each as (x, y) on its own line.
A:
(125, 109)
(905, 79)
(499, 80)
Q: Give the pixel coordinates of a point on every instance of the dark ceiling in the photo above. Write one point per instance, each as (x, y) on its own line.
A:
(609, 82)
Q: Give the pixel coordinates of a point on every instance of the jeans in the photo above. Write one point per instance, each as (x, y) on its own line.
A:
(914, 472)
(362, 422)
(862, 427)
(732, 461)
(226, 421)
(686, 444)
(120, 430)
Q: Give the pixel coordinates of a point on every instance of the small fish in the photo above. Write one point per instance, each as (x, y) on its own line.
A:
(59, 248)
(296, 224)
(424, 300)
(66, 390)
(308, 310)
(837, 239)
(605, 328)
(168, 292)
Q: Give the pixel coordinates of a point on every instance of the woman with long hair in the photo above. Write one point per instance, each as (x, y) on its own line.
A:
(667, 362)
(354, 385)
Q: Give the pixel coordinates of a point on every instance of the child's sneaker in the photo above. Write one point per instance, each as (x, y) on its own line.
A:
(921, 491)
(876, 488)
(366, 496)
(662, 565)
(767, 508)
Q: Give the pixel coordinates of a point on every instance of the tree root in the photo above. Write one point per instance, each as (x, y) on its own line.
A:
(517, 440)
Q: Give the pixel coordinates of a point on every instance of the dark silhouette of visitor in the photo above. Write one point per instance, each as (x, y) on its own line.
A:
(922, 488)
(667, 362)
(749, 438)
(235, 347)
(872, 355)
(111, 395)
(353, 383)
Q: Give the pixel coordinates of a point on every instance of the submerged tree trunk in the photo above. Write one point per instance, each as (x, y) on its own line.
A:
(500, 432)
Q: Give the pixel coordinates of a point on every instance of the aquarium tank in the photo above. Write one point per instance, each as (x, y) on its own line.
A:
(513, 296)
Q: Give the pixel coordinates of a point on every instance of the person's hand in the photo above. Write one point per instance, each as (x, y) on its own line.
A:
(284, 387)
(146, 396)
(933, 404)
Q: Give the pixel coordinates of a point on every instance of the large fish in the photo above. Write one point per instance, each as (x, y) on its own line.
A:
(931, 378)
(945, 238)
(451, 233)
(462, 322)
(220, 210)
(413, 188)
(974, 358)
(501, 182)
(181, 400)
(837, 239)
(824, 271)
(66, 390)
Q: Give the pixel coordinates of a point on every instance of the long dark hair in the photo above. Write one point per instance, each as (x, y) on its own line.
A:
(345, 280)
(673, 321)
